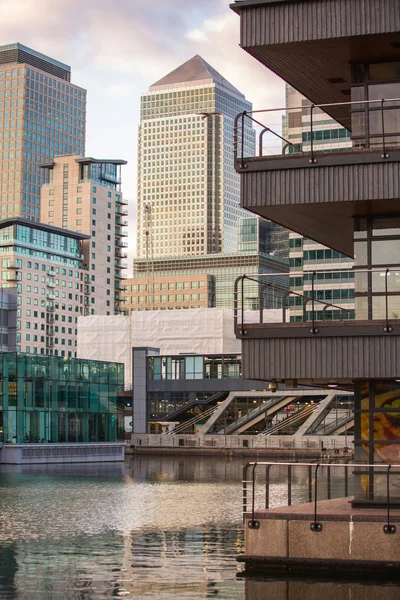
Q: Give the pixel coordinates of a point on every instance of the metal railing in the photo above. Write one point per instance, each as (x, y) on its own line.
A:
(314, 482)
(371, 295)
(365, 125)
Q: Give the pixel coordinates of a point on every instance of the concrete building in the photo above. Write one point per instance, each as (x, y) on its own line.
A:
(347, 200)
(84, 195)
(42, 114)
(166, 291)
(188, 191)
(45, 265)
(262, 248)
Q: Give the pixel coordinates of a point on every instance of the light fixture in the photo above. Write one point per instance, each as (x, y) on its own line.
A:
(332, 385)
(397, 380)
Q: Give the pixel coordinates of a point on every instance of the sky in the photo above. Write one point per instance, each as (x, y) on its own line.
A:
(117, 49)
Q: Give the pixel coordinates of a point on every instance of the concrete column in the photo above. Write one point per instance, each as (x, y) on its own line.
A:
(139, 388)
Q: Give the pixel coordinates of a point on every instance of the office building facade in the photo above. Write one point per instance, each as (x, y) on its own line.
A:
(84, 195)
(42, 114)
(188, 191)
(45, 266)
(308, 256)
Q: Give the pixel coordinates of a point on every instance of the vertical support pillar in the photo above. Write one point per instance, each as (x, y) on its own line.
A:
(139, 388)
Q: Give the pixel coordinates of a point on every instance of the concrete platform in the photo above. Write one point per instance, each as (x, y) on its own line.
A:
(350, 539)
(28, 454)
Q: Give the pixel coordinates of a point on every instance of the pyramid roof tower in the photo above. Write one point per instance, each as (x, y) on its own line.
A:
(194, 69)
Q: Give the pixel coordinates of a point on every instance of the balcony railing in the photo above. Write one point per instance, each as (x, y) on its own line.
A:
(316, 482)
(307, 131)
(324, 297)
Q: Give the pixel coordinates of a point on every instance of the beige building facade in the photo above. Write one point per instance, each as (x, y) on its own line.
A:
(166, 293)
(42, 114)
(84, 195)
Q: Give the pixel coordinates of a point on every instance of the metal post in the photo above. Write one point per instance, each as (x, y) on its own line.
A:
(313, 330)
(315, 526)
(388, 528)
(289, 485)
(388, 328)
(267, 470)
(384, 153)
(242, 141)
(312, 159)
(253, 524)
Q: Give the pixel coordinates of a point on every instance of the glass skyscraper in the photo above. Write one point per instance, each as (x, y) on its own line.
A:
(188, 190)
(42, 115)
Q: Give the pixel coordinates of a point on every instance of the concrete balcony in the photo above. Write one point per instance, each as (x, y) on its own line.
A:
(313, 43)
(317, 186)
(332, 343)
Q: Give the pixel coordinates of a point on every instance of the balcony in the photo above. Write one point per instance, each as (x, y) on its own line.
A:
(49, 343)
(120, 243)
(316, 185)
(51, 272)
(120, 254)
(51, 284)
(313, 43)
(120, 200)
(50, 331)
(121, 222)
(50, 319)
(50, 307)
(329, 334)
(50, 296)
(13, 276)
(14, 266)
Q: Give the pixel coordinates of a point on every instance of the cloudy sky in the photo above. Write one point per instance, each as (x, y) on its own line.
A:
(117, 49)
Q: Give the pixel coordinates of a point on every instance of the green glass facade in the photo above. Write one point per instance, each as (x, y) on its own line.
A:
(58, 399)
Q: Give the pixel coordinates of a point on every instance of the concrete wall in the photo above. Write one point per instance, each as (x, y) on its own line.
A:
(27, 454)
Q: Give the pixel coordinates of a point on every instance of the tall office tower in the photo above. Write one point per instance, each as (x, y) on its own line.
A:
(307, 255)
(84, 195)
(188, 191)
(42, 114)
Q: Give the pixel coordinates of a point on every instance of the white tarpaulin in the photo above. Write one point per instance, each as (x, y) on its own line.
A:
(199, 330)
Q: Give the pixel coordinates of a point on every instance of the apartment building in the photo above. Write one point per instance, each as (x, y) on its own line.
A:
(83, 194)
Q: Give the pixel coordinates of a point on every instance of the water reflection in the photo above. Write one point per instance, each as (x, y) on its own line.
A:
(161, 528)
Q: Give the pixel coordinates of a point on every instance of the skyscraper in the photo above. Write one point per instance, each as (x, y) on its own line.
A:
(42, 114)
(188, 191)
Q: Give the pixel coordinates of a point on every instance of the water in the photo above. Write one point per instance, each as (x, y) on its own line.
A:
(160, 528)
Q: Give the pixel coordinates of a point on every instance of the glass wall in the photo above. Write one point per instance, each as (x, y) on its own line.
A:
(195, 367)
(377, 437)
(376, 246)
(58, 399)
(376, 82)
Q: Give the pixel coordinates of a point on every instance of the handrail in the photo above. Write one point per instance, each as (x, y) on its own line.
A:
(374, 105)
(317, 304)
(290, 419)
(193, 421)
(313, 469)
